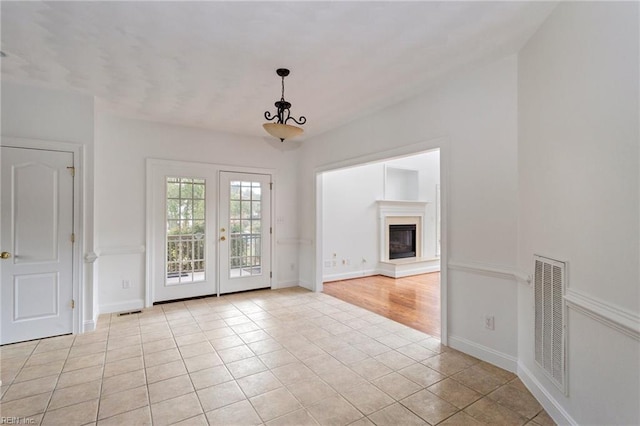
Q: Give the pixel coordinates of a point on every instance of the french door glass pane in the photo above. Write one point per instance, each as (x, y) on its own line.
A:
(185, 234)
(245, 225)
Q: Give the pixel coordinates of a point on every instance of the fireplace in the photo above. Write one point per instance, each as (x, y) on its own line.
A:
(402, 238)
(409, 215)
(402, 241)
(401, 230)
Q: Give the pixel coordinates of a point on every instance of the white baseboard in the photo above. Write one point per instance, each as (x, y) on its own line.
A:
(88, 326)
(349, 275)
(286, 284)
(306, 284)
(484, 353)
(387, 272)
(548, 402)
(124, 306)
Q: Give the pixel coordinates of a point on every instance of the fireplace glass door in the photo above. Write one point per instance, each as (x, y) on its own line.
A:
(402, 241)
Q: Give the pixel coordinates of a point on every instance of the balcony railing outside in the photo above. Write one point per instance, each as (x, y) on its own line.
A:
(186, 256)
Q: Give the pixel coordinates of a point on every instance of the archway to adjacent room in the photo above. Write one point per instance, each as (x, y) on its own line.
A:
(381, 235)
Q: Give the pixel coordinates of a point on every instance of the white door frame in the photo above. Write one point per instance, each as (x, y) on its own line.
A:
(417, 148)
(152, 163)
(78, 214)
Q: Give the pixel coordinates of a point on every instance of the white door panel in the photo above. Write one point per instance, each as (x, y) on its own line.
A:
(36, 230)
(36, 296)
(244, 231)
(37, 227)
(183, 231)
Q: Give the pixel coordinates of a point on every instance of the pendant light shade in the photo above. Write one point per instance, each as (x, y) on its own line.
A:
(280, 129)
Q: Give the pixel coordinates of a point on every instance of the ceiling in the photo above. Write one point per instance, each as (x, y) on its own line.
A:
(212, 64)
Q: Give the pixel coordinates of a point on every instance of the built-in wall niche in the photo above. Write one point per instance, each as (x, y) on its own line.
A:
(401, 184)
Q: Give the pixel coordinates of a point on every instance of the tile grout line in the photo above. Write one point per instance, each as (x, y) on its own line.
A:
(312, 323)
(204, 413)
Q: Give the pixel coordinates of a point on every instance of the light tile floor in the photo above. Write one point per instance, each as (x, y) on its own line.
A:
(283, 357)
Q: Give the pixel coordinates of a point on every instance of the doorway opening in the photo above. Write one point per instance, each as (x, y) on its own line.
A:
(379, 237)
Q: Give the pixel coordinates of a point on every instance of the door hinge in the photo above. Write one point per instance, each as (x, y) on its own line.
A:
(270, 230)
(271, 185)
(72, 170)
(73, 238)
(73, 304)
(270, 274)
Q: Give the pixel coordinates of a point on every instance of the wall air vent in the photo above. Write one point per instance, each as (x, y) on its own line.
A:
(550, 319)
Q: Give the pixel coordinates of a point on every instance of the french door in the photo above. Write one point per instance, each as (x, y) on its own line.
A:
(244, 231)
(37, 244)
(182, 230)
(208, 230)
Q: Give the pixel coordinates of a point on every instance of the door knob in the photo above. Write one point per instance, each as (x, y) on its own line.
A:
(5, 255)
(222, 229)
(222, 238)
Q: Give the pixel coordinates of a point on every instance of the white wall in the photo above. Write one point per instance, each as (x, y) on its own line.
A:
(579, 199)
(122, 145)
(475, 115)
(350, 228)
(51, 115)
(350, 213)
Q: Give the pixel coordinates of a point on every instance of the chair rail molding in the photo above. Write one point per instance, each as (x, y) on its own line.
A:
(118, 250)
(293, 242)
(620, 319)
(490, 270)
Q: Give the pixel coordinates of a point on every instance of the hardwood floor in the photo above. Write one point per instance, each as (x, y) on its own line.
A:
(413, 301)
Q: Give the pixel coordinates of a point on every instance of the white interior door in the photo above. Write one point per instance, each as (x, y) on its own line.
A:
(36, 244)
(244, 235)
(182, 234)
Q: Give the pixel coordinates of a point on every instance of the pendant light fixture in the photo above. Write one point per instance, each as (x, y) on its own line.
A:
(280, 129)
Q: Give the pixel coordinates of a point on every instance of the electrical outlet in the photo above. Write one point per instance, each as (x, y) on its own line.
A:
(489, 322)
(126, 284)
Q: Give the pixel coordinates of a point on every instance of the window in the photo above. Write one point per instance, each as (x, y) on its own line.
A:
(245, 228)
(186, 233)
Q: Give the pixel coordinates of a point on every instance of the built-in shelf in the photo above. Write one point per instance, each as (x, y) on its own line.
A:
(401, 183)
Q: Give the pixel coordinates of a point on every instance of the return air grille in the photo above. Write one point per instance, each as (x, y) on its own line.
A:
(549, 288)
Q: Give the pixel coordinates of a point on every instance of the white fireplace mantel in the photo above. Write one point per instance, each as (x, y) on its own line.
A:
(394, 212)
(400, 208)
(401, 212)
